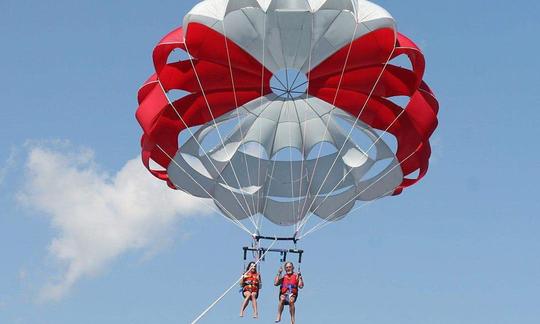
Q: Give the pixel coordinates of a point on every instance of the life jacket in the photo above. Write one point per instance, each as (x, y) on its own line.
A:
(251, 283)
(289, 284)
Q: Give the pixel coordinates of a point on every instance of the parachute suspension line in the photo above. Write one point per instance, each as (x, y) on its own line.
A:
(303, 211)
(252, 213)
(259, 222)
(350, 132)
(194, 137)
(230, 219)
(310, 51)
(294, 217)
(345, 63)
(289, 96)
(367, 152)
(304, 153)
(263, 70)
(259, 213)
(219, 135)
(296, 211)
(309, 60)
(370, 147)
(326, 220)
(209, 308)
(271, 173)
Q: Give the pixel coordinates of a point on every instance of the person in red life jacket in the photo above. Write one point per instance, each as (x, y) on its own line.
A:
(288, 291)
(251, 283)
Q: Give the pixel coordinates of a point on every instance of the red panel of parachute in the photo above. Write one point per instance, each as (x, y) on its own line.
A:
(208, 78)
(221, 76)
(364, 85)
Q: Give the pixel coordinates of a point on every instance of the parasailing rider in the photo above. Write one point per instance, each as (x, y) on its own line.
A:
(288, 291)
(251, 283)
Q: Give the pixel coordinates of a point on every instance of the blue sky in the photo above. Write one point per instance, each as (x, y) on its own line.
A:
(460, 247)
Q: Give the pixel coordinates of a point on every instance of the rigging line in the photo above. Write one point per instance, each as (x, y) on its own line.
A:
(195, 321)
(386, 130)
(348, 172)
(294, 81)
(308, 104)
(298, 86)
(279, 80)
(284, 57)
(325, 222)
(271, 173)
(372, 184)
(297, 51)
(292, 176)
(278, 89)
(246, 115)
(297, 211)
(221, 139)
(367, 152)
(261, 181)
(265, 197)
(304, 153)
(373, 89)
(330, 116)
(281, 95)
(310, 48)
(232, 219)
(302, 137)
(290, 97)
(193, 135)
(287, 75)
(217, 130)
(311, 106)
(263, 70)
(354, 125)
(260, 216)
(310, 55)
(238, 119)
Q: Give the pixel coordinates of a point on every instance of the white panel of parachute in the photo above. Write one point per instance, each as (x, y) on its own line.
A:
(246, 172)
(290, 33)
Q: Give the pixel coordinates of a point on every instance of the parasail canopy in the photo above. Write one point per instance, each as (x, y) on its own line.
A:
(289, 108)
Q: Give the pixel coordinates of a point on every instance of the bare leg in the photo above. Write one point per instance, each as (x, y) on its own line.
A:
(280, 308)
(247, 297)
(254, 304)
(292, 309)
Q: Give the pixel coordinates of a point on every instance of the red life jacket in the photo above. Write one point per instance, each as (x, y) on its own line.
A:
(289, 284)
(251, 283)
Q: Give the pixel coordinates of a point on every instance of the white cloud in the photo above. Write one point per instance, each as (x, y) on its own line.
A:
(99, 216)
(9, 164)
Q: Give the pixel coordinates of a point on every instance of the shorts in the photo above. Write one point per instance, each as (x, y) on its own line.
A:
(242, 291)
(288, 297)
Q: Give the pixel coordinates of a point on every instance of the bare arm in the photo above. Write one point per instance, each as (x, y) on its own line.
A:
(278, 279)
(300, 281)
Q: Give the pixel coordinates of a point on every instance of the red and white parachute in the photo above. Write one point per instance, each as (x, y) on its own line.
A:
(289, 108)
